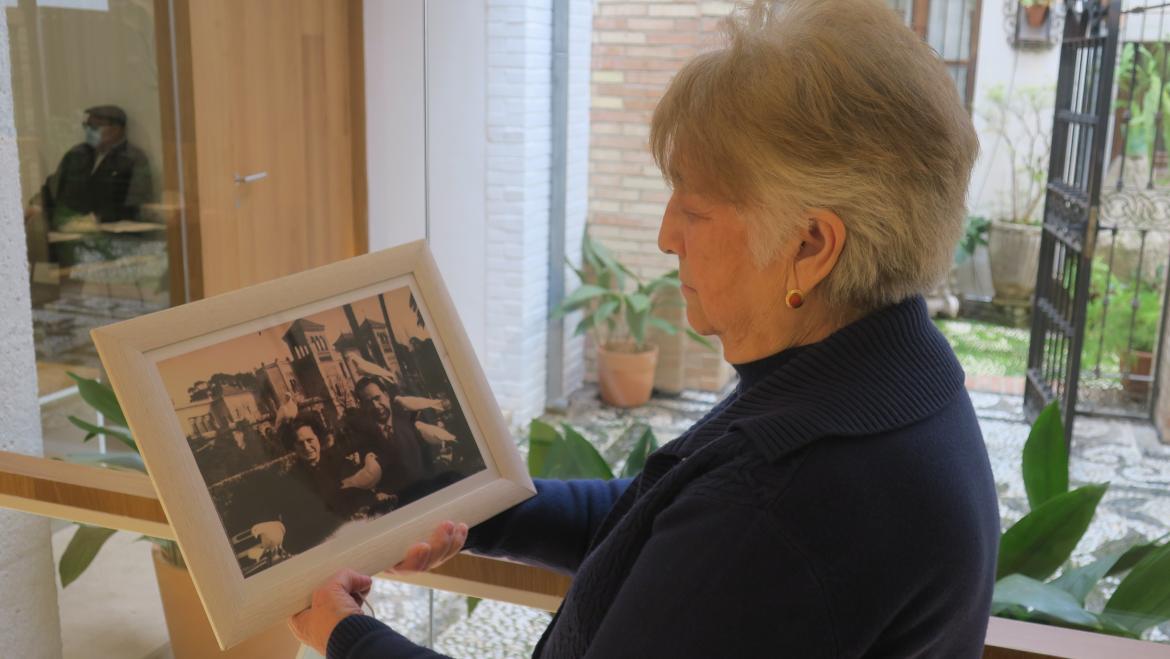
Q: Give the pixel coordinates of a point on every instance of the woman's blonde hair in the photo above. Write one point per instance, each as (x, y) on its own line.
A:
(828, 104)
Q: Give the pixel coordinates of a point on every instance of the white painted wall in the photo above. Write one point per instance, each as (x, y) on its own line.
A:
(455, 53)
(486, 158)
(1002, 64)
(425, 117)
(28, 610)
(395, 121)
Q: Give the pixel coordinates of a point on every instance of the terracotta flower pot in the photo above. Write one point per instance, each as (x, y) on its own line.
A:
(1137, 363)
(626, 377)
(1036, 15)
(191, 635)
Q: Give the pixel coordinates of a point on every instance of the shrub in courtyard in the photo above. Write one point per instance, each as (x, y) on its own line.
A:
(1036, 547)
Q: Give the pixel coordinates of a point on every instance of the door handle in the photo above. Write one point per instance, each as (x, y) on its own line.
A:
(249, 178)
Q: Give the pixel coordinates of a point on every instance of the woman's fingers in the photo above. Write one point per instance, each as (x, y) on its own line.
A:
(416, 560)
(446, 540)
(458, 537)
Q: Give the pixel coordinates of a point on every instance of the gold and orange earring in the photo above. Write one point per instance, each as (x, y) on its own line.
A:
(795, 297)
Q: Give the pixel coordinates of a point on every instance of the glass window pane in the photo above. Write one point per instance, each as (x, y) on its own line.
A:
(905, 9)
(90, 135)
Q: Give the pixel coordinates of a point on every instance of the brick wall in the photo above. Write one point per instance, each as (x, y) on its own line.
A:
(637, 48)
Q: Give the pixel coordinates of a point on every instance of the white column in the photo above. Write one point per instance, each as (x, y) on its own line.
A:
(28, 611)
(577, 174)
(519, 96)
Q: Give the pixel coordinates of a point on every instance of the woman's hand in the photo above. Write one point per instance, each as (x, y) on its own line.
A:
(333, 602)
(342, 595)
(446, 541)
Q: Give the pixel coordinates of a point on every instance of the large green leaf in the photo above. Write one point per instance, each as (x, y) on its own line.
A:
(1134, 555)
(1142, 600)
(1037, 545)
(100, 397)
(663, 324)
(605, 311)
(636, 321)
(1018, 596)
(639, 302)
(80, 552)
(668, 280)
(580, 272)
(700, 339)
(1079, 582)
(581, 459)
(643, 446)
(583, 295)
(541, 438)
(610, 262)
(1046, 458)
(92, 430)
(606, 264)
(585, 325)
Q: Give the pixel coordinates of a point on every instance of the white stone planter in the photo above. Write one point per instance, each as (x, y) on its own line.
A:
(1015, 256)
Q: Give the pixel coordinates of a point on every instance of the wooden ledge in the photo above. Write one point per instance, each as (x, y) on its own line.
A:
(112, 498)
(126, 500)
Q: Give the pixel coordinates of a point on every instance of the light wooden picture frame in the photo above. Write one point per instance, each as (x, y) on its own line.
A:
(323, 420)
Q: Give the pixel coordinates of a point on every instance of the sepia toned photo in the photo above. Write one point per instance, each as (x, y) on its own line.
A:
(334, 418)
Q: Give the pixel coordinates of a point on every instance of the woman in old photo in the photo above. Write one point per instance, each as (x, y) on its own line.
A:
(839, 503)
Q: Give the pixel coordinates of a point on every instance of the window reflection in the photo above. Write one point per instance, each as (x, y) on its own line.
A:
(86, 99)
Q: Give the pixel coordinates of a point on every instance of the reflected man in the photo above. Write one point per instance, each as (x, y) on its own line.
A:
(105, 175)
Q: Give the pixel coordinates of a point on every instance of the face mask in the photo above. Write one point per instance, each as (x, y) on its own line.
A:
(93, 136)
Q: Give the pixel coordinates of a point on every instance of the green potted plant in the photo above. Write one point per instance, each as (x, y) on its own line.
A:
(1036, 11)
(1034, 549)
(1142, 123)
(618, 308)
(190, 632)
(1122, 320)
(1018, 122)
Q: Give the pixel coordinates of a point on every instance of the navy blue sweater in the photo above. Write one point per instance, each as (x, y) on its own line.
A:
(839, 504)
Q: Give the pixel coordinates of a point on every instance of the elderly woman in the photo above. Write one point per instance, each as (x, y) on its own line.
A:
(840, 502)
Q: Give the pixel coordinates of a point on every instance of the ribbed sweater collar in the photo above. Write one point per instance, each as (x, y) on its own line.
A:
(885, 371)
(750, 373)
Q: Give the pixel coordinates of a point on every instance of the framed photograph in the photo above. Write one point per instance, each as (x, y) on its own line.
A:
(323, 420)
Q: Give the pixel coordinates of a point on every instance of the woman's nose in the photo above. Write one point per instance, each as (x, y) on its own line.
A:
(669, 238)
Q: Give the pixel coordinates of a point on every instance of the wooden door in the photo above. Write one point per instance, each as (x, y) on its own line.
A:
(275, 176)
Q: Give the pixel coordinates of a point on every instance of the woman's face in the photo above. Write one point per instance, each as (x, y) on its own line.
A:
(726, 294)
(307, 446)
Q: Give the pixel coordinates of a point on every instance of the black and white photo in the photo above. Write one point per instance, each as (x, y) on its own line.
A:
(335, 418)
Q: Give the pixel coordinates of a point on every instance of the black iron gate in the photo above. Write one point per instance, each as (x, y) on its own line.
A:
(1080, 127)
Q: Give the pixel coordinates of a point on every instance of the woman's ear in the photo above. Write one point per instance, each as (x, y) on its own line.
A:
(821, 242)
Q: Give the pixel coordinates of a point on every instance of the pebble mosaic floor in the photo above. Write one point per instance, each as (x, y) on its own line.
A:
(1128, 455)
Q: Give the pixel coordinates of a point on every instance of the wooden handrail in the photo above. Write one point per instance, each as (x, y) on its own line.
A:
(115, 499)
(126, 500)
